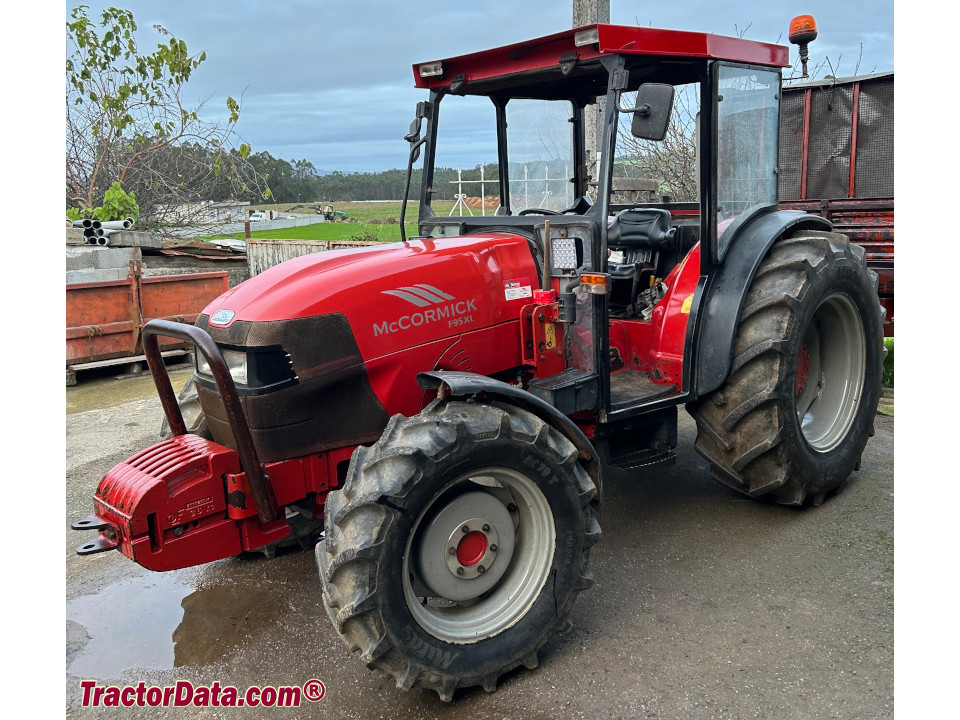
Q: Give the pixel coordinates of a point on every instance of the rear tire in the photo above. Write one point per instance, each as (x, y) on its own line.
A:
(794, 415)
(405, 584)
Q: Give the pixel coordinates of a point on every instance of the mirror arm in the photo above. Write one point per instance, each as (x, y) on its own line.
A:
(414, 153)
(644, 109)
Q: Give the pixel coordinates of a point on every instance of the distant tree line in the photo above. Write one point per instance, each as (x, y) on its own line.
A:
(299, 181)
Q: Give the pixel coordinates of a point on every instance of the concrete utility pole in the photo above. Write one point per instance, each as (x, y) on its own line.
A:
(588, 12)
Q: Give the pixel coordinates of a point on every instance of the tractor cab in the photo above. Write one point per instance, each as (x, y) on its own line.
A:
(626, 238)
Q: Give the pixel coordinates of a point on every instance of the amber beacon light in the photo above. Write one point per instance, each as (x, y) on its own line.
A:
(803, 31)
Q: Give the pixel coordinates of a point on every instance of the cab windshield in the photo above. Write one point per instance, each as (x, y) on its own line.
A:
(539, 147)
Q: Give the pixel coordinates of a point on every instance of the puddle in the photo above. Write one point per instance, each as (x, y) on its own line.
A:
(156, 622)
(217, 620)
(103, 392)
(130, 624)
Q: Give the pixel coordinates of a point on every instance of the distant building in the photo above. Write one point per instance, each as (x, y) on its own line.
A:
(203, 213)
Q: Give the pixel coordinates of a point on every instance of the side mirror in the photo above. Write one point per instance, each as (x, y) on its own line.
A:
(651, 116)
(414, 134)
(413, 137)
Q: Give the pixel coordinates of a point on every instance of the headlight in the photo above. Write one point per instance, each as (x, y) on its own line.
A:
(236, 363)
(254, 370)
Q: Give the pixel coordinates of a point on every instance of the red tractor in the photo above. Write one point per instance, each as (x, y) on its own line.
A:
(444, 408)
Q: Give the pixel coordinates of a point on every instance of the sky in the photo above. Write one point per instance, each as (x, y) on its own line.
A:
(332, 81)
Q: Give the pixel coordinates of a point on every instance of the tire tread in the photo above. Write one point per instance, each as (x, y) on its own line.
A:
(740, 426)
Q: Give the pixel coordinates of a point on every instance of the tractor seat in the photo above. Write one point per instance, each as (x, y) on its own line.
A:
(641, 228)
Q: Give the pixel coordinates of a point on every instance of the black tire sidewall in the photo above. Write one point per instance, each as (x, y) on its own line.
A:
(828, 469)
(557, 482)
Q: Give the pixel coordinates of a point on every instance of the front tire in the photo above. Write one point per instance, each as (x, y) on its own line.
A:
(796, 410)
(458, 545)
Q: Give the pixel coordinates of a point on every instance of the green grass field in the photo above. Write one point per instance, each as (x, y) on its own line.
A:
(358, 227)
(363, 211)
(334, 231)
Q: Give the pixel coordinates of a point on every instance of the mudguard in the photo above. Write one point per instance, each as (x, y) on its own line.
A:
(728, 288)
(460, 384)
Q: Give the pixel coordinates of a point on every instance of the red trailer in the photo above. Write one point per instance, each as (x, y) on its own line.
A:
(105, 319)
(836, 160)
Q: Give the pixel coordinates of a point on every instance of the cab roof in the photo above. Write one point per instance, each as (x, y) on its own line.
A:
(522, 64)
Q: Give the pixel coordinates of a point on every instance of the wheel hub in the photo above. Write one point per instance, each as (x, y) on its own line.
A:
(466, 547)
(834, 372)
(472, 548)
(479, 555)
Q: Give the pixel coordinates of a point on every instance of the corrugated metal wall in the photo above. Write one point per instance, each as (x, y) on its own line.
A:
(264, 254)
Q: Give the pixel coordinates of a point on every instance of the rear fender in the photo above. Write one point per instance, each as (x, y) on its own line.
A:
(728, 287)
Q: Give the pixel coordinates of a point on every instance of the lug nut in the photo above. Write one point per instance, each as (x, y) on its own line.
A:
(452, 551)
(486, 528)
(459, 571)
(465, 529)
(511, 507)
(493, 548)
(481, 569)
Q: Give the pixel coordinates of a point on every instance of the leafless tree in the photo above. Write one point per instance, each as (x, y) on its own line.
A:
(127, 123)
(672, 162)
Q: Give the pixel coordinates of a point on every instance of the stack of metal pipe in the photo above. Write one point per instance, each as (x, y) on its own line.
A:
(96, 232)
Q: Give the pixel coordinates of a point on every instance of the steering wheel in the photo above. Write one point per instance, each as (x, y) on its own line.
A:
(539, 211)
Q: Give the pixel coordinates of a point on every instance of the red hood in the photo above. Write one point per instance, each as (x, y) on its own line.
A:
(396, 295)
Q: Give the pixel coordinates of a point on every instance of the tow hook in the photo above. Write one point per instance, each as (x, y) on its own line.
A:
(106, 540)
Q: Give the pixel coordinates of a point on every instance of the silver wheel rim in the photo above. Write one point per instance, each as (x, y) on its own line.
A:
(828, 398)
(484, 603)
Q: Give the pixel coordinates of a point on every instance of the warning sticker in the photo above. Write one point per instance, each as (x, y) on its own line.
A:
(516, 289)
(550, 335)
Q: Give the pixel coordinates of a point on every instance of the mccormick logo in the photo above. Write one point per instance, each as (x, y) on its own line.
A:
(442, 306)
(222, 317)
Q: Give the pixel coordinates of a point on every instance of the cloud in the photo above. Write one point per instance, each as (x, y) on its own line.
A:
(333, 82)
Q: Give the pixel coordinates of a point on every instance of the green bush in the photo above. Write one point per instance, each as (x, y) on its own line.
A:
(117, 205)
(365, 236)
(888, 362)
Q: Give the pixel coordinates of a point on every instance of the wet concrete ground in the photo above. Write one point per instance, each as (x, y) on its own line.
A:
(706, 604)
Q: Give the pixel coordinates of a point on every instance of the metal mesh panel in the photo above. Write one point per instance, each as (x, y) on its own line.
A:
(874, 169)
(828, 156)
(791, 144)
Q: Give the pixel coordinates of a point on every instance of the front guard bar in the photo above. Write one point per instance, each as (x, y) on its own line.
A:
(260, 487)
